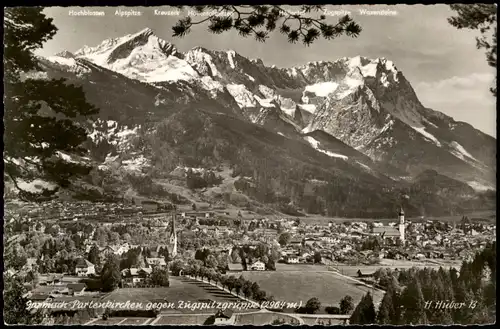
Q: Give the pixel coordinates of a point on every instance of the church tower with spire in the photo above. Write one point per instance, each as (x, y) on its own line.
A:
(173, 235)
(401, 217)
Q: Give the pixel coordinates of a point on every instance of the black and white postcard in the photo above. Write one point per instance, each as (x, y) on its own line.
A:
(250, 165)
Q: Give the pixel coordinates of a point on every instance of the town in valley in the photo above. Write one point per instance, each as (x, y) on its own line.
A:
(202, 165)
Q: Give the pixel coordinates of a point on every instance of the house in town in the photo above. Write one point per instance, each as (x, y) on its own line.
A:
(120, 250)
(258, 266)
(106, 251)
(150, 205)
(37, 297)
(329, 239)
(76, 289)
(295, 242)
(84, 268)
(196, 214)
(224, 317)
(157, 261)
(30, 264)
(235, 267)
(292, 259)
(133, 276)
(389, 234)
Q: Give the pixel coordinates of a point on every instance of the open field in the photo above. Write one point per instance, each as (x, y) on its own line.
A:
(300, 267)
(135, 321)
(300, 286)
(108, 322)
(180, 290)
(428, 263)
(181, 319)
(65, 278)
(257, 319)
(367, 269)
(352, 270)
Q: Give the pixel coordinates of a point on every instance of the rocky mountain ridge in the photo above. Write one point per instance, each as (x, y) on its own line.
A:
(362, 114)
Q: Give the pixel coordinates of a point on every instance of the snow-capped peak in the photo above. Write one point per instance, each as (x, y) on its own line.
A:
(144, 43)
(142, 56)
(65, 54)
(146, 31)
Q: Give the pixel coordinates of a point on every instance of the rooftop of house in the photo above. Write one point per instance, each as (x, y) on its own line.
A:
(388, 230)
(83, 263)
(136, 271)
(224, 314)
(235, 267)
(76, 286)
(155, 260)
(258, 262)
(31, 261)
(39, 297)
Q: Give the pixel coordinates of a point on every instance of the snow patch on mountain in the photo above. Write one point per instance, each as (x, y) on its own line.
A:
(387, 126)
(66, 157)
(427, 135)
(250, 77)
(242, 96)
(267, 92)
(36, 186)
(211, 85)
(357, 61)
(112, 133)
(170, 69)
(353, 83)
(135, 164)
(201, 59)
(289, 112)
(322, 89)
(311, 108)
(62, 60)
(264, 102)
(477, 186)
(70, 63)
(315, 144)
(460, 151)
(365, 167)
(369, 70)
(230, 58)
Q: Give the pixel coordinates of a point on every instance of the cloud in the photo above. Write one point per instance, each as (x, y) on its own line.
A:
(465, 98)
(469, 82)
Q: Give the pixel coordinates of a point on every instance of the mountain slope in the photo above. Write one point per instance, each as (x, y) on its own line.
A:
(338, 138)
(356, 100)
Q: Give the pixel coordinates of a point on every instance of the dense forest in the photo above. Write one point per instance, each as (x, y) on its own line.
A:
(429, 296)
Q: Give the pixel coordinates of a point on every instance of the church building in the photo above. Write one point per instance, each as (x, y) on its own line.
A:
(392, 235)
(172, 248)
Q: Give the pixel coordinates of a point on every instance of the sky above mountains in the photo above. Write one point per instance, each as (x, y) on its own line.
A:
(442, 63)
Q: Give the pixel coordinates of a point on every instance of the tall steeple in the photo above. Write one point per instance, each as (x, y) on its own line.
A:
(401, 217)
(173, 234)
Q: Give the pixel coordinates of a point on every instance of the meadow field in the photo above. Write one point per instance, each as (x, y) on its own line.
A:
(191, 319)
(180, 290)
(108, 322)
(258, 319)
(135, 321)
(352, 270)
(299, 286)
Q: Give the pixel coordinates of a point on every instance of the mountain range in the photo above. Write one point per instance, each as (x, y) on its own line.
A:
(346, 137)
